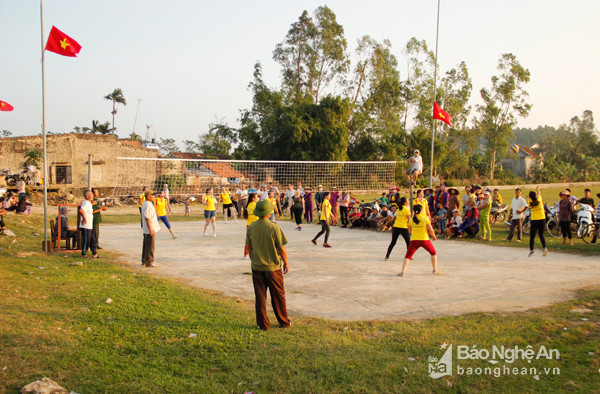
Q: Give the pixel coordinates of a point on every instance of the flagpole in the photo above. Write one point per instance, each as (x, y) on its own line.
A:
(434, 94)
(45, 178)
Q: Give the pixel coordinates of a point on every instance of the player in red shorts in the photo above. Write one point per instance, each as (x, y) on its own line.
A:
(420, 228)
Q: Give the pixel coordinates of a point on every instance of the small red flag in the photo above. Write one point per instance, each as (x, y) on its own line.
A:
(59, 42)
(4, 106)
(439, 113)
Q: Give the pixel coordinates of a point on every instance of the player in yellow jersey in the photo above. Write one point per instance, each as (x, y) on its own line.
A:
(324, 219)
(228, 206)
(420, 228)
(210, 211)
(400, 226)
(141, 200)
(249, 213)
(163, 212)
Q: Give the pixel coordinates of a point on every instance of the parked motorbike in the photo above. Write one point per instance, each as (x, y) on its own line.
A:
(498, 214)
(585, 221)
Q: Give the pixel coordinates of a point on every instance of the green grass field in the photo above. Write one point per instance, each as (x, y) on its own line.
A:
(159, 335)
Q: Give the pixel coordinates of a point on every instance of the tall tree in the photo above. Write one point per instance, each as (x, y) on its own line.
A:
(312, 55)
(117, 98)
(503, 103)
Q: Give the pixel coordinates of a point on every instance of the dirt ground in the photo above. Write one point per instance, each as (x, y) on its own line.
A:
(351, 281)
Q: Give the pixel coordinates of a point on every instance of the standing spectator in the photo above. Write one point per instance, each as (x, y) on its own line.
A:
(442, 217)
(344, 201)
(420, 228)
(319, 198)
(210, 212)
(484, 207)
(266, 245)
(518, 205)
(466, 199)
(324, 219)
(296, 209)
(163, 212)
(86, 225)
(597, 219)
(334, 197)
(565, 210)
(400, 226)
(299, 187)
(308, 204)
(273, 200)
(416, 168)
(21, 188)
(587, 199)
(63, 223)
(453, 201)
(149, 228)
(97, 209)
(442, 197)
(431, 199)
(242, 199)
(538, 220)
(252, 189)
(264, 192)
(289, 194)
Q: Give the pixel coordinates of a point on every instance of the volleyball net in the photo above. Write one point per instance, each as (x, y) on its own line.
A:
(189, 177)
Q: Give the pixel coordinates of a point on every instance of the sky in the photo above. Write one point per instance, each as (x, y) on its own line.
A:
(190, 62)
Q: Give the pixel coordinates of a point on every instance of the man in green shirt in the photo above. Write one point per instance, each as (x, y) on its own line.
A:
(266, 245)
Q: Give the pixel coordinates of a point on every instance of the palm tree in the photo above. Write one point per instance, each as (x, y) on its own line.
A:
(117, 98)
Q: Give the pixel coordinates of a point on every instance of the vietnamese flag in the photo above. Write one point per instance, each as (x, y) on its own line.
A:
(439, 113)
(4, 106)
(59, 42)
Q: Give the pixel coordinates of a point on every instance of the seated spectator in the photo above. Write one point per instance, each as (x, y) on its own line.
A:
(469, 226)
(355, 217)
(382, 217)
(65, 230)
(24, 207)
(371, 220)
(10, 203)
(383, 200)
(388, 223)
(2, 213)
(442, 215)
(454, 223)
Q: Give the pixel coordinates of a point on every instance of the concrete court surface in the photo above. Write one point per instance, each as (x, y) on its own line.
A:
(351, 281)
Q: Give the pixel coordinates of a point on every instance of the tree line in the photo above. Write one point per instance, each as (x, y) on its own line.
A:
(332, 104)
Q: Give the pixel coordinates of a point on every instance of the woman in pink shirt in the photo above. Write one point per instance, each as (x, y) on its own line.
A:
(344, 201)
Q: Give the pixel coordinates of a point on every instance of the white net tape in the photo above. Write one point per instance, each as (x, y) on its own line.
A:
(189, 177)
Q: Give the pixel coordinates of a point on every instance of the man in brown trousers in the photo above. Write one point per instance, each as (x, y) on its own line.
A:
(266, 245)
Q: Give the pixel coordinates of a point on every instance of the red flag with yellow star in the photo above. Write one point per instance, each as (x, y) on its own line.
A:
(439, 113)
(4, 106)
(59, 42)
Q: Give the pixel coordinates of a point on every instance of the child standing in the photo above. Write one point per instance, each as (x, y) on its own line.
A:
(442, 215)
(188, 206)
